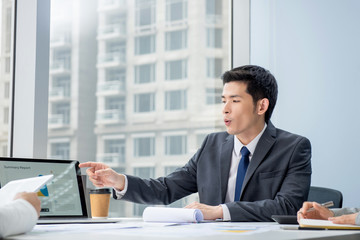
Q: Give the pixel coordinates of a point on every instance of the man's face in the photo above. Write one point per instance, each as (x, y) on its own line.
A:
(239, 112)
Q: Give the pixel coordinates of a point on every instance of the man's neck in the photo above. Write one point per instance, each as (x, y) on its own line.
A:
(246, 137)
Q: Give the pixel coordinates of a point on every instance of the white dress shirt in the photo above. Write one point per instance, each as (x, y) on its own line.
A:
(236, 156)
(16, 217)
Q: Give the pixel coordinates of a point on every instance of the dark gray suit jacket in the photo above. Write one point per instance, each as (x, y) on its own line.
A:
(277, 181)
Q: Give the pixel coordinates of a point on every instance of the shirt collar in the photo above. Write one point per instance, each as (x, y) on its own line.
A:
(251, 146)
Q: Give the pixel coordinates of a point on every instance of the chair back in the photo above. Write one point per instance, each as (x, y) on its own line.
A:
(321, 195)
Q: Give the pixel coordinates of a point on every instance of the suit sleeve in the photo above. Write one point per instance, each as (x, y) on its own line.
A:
(164, 190)
(292, 193)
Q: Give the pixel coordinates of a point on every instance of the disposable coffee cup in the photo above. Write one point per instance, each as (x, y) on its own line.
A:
(99, 202)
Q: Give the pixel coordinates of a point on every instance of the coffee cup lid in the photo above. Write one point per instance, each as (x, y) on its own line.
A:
(100, 191)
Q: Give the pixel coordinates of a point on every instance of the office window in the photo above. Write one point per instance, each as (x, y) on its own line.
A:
(144, 13)
(175, 40)
(60, 150)
(175, 100)
(144, 147)
(176, 70)
(145, 73)
(144, 102)
(121, 57)
(175, 145)
(144, 45)
(176, 10)
(213, 96)
(214, 37)
(214, 67)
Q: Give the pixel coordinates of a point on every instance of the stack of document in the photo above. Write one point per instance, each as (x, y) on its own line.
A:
(172, 215)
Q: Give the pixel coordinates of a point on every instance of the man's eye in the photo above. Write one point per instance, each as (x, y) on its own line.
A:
(236, 100)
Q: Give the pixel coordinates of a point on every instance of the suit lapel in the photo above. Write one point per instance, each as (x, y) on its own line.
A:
(225, 161)
(265, 143)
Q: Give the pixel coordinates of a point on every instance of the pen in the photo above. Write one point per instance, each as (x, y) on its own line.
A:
(326, 204)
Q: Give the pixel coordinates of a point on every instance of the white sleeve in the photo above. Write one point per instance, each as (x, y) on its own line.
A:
(226, 212)
(16, 217)
(120, 194)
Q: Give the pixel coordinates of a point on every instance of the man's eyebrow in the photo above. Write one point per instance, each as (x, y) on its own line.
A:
(232, 96)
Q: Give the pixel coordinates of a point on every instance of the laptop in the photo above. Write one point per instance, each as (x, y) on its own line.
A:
(62, 198)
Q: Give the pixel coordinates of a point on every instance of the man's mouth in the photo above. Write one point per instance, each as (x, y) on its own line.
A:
(227, 122)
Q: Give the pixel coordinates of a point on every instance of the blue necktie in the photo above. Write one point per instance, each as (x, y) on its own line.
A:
(243, 165)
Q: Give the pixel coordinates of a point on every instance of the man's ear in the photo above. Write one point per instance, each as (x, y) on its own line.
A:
(262, 106)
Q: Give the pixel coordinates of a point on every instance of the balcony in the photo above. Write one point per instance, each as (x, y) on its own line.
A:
(111, 159)
(60, 41)
(110, 5)
(57, 121)
(213, 19)
(59, 93)
(112, 116)
(112, 31)
(111, 88)
(112, 59)
(60, 67)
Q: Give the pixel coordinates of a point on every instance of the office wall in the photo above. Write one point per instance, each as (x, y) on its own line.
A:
(313, 47)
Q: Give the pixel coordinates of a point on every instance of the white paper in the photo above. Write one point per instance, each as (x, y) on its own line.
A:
(8, 192)
(173, 215)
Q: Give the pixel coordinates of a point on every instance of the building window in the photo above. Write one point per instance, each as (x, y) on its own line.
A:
(175, 100)
(114, 151)
(145, 73)
(61, 60)
(176, 10)
(170, 169)
(175, 40)
(144, 13)
(6, 90)
(61, 86)
(144, 146)
(200, 139)
(144, 102)
(6, 115)
(213, 11)
(144, 44)
(175, 145)
(115, 103)
(213, 67)
(60, 150)
(62, 112)
(176, 70)
(214, 37)
(7, 65)
(115, 74)
(143, 172)
(213, 96)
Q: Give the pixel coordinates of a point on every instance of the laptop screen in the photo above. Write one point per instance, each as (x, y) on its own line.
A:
(62, 196)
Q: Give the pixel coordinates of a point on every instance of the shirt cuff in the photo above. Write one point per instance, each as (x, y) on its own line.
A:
(120, 194)
(226, 212)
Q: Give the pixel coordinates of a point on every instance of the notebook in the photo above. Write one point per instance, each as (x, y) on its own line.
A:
(62, 198)
(325, 224)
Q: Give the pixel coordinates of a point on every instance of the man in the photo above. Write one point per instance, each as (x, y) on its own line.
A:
(336, 215)
(20, 215)
(276, 181)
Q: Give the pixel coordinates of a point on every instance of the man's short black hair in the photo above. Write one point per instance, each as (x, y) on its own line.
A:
(260, 84)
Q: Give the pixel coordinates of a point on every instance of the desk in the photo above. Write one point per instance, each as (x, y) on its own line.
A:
(131, 229)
